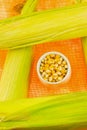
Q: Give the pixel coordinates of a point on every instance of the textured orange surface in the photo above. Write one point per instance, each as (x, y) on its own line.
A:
(71, 48)
(78, 82)
(48, 4)
(10, 8)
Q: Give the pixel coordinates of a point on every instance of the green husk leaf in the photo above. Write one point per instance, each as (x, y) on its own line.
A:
(29, 7)
(84, 40)
(14, 80)
(60, 110)
(45, 26)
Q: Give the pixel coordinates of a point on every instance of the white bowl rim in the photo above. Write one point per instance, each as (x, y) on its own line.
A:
(64, 57)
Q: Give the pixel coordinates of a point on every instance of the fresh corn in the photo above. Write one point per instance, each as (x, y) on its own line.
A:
(83, 1)
(44, 26)
(60, 111)
(84, 41)
(29, 7)
(14, 80)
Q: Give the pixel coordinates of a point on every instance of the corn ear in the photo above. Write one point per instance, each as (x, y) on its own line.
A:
(83, 1)
(77, 1)
(45, 26)
(63, 110)
(14, 80)
(84, 40)
(29, 7)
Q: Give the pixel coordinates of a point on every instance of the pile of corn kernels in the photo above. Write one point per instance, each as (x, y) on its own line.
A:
(53, 68)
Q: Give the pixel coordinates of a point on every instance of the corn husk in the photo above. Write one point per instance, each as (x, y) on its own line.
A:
(44, 26)
(63, 110)
(15, 76)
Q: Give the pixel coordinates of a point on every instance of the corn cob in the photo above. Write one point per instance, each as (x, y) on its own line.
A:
(84, 41)
(14, 80)
(29, 7)
(46, 26)
(57, 111)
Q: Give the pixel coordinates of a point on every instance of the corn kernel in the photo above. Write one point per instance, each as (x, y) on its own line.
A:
(61, 59)
(50, 79)
(66, 66)
(55, 77)
(60, 78)
(55, 74)
(41, 70)
(42, 64)
(47, 76)
(53, 68)
(47, 65)
(64, 62)
(59, 73)
(48, 57)
(43, 74)
(57, 56)
(59, 62)
(43, 61)
(48, 71)
(56, 65)
(59, 68)
(52, 55)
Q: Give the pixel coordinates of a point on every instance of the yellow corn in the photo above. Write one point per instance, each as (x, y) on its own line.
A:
(44, 26)
(14, 80)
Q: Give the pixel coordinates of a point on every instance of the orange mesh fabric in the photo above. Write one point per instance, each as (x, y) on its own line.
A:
(48, 4)
(10, 8)
(78, 82)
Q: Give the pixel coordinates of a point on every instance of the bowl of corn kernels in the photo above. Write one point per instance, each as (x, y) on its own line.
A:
(53, 68)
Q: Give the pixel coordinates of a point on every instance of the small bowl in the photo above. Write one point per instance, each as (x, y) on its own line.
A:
(67, 76)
